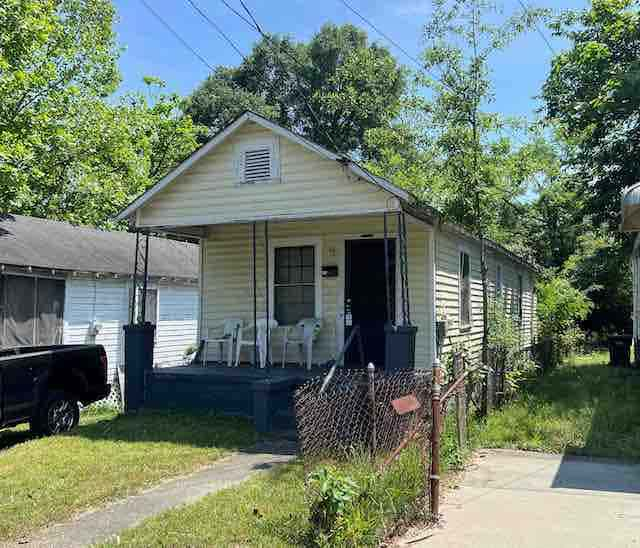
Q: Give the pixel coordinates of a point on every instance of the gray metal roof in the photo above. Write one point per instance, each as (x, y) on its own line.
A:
(41, 243)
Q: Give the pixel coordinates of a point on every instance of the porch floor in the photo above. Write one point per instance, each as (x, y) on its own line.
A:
(243, 372)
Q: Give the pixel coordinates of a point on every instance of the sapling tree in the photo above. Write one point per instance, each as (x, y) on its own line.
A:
(484, 170)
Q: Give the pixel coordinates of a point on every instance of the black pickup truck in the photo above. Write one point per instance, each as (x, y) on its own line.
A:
(42, 385)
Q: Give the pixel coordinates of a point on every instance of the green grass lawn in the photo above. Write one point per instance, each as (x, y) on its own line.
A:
(45, 480)
(583, 407)
(270, 509)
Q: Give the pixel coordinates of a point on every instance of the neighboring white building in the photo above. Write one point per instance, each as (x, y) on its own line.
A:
(68, 284)
(630, 213)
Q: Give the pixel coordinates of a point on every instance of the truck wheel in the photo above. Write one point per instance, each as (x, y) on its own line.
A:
(58, 413)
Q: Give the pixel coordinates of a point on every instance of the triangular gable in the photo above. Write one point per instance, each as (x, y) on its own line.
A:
(224, 134)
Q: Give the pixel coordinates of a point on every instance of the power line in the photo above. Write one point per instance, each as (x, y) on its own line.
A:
(176, 35)
(383, 34)
(234, 10)
(273, 45)
(217, 28)
(542, 35)
(252, 17)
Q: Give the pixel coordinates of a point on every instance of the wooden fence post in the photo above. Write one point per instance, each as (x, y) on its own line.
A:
(461, 400)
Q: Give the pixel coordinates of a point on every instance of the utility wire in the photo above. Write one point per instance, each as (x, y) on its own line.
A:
(234, 10)
(176, 35)
(276, 49)
(542, 34)
(382, 33)
(217, 28)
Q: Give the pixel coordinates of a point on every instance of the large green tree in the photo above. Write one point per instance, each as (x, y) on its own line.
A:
(332, 89)
(67, 150)
(592, 98)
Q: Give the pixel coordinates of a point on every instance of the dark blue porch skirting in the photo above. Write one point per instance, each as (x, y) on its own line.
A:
(265, 396)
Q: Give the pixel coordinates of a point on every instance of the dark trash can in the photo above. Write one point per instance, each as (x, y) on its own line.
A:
(620, 350)
(400, 347)
(138, 359)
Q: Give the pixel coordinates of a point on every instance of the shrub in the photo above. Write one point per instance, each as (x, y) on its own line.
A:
(505, 347)
(354, 504)
(560, 307)
(331, 493)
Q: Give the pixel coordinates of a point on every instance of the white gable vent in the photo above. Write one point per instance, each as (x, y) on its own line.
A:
(258, 161)
(256, 165)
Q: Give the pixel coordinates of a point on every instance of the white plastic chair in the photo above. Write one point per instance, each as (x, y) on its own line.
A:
(306, 330)
(245, 338)
(227, 333)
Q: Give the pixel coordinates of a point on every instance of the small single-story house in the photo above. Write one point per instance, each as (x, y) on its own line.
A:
(61, 283)
(291, 230)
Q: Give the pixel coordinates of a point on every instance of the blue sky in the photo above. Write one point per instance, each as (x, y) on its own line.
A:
(151, 50)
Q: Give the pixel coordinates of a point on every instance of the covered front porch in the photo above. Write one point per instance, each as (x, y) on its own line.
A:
(369, 273)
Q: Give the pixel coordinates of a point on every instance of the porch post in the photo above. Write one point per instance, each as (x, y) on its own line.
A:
(266, 292)
(255, 302)
(386, 268)
(404, 274)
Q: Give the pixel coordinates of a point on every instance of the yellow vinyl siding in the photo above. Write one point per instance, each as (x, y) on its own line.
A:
(228, 285)
(448, 248)
(209, 192)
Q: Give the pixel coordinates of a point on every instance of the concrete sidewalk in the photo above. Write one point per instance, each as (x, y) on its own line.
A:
(526, 500)
(101, 524)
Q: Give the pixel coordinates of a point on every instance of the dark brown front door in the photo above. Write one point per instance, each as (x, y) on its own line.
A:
(365, 297)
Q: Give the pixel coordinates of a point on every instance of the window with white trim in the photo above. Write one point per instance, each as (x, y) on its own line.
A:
(499, 280)
(294, 284)
(464, 282)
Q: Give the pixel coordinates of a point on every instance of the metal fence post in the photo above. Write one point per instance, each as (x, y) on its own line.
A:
(436, 411)
(371, 374)
(461, 401)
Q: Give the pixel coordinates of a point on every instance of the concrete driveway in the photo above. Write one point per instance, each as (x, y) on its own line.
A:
(521, 499)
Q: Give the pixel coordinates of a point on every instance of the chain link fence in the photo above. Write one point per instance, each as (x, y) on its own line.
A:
(358, 411)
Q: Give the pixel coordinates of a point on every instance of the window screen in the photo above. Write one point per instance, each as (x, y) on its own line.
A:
(465, 289)
(32, 310)
(294, 284)
(49, 311)
(19, 311)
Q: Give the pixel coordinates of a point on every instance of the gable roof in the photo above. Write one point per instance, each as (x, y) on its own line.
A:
(424, 212)
(41, 243)
(225, 133)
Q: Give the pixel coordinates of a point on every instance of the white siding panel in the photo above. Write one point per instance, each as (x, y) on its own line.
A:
(177, 326)
(209, 191)
(102, 303)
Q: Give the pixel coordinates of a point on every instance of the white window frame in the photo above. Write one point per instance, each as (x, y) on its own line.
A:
(316, 243)
(273, 144)
(463, 324)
